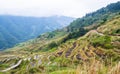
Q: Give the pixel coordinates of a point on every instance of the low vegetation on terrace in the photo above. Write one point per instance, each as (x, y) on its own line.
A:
(90, 45)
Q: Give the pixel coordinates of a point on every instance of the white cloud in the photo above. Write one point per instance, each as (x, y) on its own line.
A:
(74, 8)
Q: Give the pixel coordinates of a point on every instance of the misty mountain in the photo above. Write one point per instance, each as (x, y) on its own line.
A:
(15, 29)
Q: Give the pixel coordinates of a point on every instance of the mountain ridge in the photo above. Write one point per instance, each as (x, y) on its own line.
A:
(89, 45)
(19, 28)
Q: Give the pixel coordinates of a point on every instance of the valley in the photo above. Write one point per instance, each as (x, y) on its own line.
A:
(16, 29)
(89, 45)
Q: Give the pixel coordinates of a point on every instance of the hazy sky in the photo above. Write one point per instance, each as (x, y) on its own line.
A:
(73, 8)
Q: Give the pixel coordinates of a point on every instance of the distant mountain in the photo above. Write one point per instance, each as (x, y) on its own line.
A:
(89, 45)
(99, 16)
(15, 29)
(76, 29)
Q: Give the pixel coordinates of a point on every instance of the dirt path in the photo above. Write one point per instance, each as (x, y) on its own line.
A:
(99, 33)
(12, 67)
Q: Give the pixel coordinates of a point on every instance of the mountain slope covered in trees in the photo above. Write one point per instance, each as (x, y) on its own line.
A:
(89, 46)
(15, 29)
(77, 28)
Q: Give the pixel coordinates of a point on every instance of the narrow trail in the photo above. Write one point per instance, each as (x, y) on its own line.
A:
(12, 67)
(99, 33)
(118, 35)
(108, 34)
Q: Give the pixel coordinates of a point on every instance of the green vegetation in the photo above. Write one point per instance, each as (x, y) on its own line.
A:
(103, 41)
(29, 28)
(90, 45)
(64, 72)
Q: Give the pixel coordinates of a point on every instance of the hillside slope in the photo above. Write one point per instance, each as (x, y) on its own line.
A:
(86, 49)
(15, 29)
(76, 29)
(100, 47)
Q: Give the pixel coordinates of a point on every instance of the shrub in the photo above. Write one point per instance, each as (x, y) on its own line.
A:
(33, 70)
(52, 45)
(64, 62)
(103, 41)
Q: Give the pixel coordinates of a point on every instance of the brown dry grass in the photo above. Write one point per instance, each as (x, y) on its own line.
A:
(97, 67)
